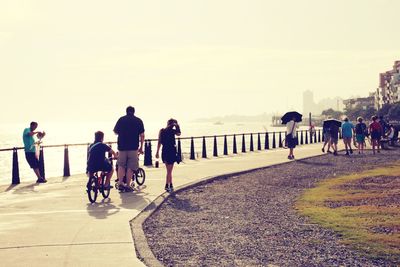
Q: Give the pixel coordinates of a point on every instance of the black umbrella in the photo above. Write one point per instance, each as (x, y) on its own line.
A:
(290, 115)
(328, 123)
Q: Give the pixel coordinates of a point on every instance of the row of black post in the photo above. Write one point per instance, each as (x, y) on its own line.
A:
(304, 137)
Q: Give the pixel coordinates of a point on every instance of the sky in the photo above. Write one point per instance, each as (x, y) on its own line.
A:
(70, 60)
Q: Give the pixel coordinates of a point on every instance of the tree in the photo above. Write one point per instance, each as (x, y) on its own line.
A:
(332, 113)
(394, 112)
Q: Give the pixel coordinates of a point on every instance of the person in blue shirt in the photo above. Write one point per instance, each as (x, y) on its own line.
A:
(347, 134)
(30, 149)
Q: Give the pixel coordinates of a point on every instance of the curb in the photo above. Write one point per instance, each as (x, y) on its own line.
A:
(143, 251)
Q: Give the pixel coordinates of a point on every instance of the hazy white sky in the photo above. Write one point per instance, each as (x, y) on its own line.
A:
(70, 59)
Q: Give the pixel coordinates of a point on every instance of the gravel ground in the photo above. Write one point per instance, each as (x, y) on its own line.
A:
(249, 220)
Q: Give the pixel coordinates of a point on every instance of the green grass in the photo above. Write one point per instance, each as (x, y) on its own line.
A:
(355, 223)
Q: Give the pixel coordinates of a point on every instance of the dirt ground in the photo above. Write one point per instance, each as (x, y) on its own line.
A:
(249, 220)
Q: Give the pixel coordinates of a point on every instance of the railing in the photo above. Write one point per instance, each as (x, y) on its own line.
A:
(270, 140)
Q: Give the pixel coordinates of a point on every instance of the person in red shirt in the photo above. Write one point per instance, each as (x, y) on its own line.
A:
(375, 130)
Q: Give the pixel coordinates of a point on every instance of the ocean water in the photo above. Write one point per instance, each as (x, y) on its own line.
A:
(58, 133)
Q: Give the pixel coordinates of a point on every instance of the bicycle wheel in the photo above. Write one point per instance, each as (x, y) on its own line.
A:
(140, 176)
(104, 191)
(92, 189)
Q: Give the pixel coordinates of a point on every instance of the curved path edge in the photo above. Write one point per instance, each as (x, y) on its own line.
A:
(142, 248)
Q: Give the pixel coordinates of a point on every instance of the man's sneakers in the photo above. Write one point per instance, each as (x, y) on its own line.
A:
(41, 180)
(125, 188)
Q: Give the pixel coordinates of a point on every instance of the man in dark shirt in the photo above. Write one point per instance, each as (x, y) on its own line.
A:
(129, 129)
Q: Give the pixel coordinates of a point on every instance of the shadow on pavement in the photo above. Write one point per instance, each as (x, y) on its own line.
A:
(26, 189)
(314, 163)
(102, 209)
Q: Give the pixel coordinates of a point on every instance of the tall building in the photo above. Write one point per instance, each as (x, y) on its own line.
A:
(309, 105)
(388, 91)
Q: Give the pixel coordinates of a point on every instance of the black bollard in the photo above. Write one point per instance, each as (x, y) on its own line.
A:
(147, 154)
(258, 142)
(297, 137)
(266, 144)
(251, 143)
(204, 150)
(301, 139)
(179, 151)
(66, 162)
(315, 137)
(225, 146)
(311, 137)
(243, 144)
(15, 168)
(192, 156)
(319, 136)
(234, 144)
(87, 152)
(280, 140)
(41, 163)
(340, 134)
(215, 152)
(323, 137)
(273, 140)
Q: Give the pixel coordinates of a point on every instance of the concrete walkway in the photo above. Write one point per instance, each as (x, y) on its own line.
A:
(53, 224)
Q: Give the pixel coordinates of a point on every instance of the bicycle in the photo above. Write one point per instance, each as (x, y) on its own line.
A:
(139, 176)
(96, 184)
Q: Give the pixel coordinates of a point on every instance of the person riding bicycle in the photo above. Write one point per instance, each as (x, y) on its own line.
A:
(97, 160)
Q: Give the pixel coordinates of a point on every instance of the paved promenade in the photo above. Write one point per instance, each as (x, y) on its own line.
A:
(53, 224)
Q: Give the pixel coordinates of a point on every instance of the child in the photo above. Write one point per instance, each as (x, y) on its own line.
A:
(97, 160)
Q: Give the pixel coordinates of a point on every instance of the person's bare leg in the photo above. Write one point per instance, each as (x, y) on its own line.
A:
(169, 172)
(37, 172)
(121, 174)
(129, 175)
(108, 177)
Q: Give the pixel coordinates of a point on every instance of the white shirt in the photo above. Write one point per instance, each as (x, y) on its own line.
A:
(289, 127)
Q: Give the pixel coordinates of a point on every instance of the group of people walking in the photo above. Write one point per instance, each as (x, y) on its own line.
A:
(357, 135)
(131, 135)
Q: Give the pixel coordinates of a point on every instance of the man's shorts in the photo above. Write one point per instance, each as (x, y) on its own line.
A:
(327, 136)
(334, 140)
(32, 160)
(128, 159)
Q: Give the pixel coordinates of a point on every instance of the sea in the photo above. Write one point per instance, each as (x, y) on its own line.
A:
(62, 133)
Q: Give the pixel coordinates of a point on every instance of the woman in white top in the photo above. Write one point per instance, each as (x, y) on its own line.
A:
(291, 136)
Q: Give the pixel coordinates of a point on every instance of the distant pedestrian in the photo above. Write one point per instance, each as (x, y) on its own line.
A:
(291, 136)
(347, 135)
(361, 132)
(390, 134)
(97, 160)
(327, 137)
(334, 131)
(30, 149)
(166, 139)
(376, 131)
(129, 129)
(384, 125)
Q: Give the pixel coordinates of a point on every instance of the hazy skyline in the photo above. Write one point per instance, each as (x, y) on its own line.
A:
(83, 60)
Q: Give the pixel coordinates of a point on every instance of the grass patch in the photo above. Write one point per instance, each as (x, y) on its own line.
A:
(364, 208)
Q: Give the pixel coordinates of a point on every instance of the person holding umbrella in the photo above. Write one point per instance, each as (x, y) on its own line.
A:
(333, 126)
(291, 120)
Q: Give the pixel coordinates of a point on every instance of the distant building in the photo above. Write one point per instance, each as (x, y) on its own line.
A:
(364, 102)
(316, 108)
(388, 91)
